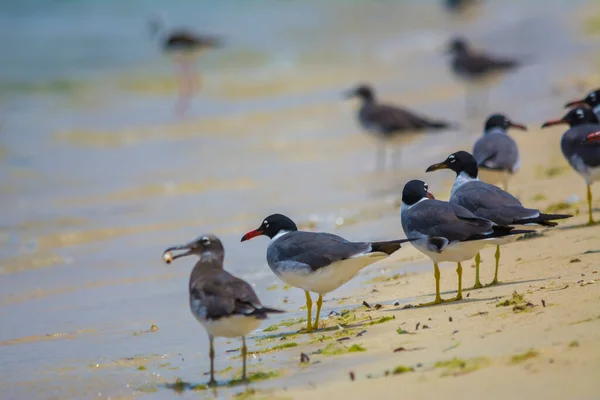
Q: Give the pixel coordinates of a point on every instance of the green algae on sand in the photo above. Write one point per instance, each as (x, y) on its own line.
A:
(457, 366)
(522, 357)
(335, 349)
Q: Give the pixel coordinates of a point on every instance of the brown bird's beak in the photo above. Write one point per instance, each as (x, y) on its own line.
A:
(252, 234)
(575, 103)
(430, 196)
(436, 167)
(168, 256)
(553, 122)
(592, 137)
(517, 126)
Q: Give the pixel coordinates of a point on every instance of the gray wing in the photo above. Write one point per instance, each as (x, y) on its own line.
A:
(496, 151)
(572, 144)
(225, 295)
(314, 249)
(490, 202)
(447, 220)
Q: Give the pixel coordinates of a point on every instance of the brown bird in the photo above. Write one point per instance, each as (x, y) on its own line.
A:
(477, 67)
(387, 121)
(184, 47)
(225, 305)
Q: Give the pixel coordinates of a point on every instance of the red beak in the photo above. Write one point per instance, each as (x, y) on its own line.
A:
(592, 137)
(553, 122)
(430, 196)
(518, 126)
(252, 234)
(575, 103)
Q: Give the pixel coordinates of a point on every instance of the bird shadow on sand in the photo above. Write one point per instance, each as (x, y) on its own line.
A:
(446, 302)
(579, 226)
(499, 284)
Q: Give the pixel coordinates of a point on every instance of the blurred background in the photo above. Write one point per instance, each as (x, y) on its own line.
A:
(99, 175)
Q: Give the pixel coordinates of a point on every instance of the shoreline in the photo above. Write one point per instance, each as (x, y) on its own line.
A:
(517, 338)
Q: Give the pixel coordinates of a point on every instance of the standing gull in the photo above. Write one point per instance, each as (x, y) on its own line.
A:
(387, 121)
(496, 153)
(583, 157)
(445, 231)
(226, 306)
(184, 47)
(489, 202)
(315, 261)
(592, 99)
(476, 67)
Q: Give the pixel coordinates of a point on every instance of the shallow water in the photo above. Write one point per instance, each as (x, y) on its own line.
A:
(98, 176)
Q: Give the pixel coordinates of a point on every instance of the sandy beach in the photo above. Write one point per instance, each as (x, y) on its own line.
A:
(536, 335)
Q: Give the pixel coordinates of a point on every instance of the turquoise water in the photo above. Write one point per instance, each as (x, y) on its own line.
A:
(98, 176)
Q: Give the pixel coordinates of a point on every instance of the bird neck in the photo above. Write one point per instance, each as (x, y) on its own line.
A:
(495, 129)
(209, 263)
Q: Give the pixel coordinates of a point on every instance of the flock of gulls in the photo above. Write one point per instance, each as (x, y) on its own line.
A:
(478, 214)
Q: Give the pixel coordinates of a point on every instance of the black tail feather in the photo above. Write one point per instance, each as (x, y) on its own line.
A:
(388, 247)
(543, 219)
(501, 231)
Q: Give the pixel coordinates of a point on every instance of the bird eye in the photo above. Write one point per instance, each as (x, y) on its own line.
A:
(593, 96)
(426, 187)
(266, 223)
(579, 113)
(205, 240)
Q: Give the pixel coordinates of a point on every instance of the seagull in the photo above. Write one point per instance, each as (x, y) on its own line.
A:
(496, 152)
(184, 46)
(226, 306)
(476, 66)
(592, 99)
(445, 231)
(583, 157)
(315, 261)
(489, 202)
(386, 121)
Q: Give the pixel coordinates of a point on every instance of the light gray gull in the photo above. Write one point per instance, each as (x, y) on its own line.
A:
(496, 152)
(315, 261)
(592, 99)
(583, 157)
(446, 231)
(489, 202)
(226, 306)
(386, 121)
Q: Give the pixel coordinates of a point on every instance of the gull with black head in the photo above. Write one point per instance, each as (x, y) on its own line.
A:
(445, 231)
(583, 155)
(489, 202)
(386, 121)
(496, 153)
(316, 262)
(225, 305)
(592, 99)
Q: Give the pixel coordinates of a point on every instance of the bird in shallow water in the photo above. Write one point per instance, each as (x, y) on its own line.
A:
(184, 47)
(592, 99)
(386, 121)
(446, 231)
(226, 306)
(316, 261)
(477, 68)
(489, 202)
(583, 156)
(496, 153)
